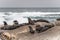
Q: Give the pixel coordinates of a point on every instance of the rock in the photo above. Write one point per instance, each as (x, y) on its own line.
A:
(7, 36)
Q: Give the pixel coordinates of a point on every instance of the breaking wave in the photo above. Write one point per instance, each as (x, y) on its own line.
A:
(9, 17)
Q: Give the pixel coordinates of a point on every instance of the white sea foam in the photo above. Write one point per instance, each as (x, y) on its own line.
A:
(11, 16)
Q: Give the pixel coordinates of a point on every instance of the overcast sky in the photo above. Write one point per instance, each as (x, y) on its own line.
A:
(29, 3)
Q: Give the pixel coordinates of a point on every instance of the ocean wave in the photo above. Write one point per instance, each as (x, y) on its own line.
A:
(22, 16)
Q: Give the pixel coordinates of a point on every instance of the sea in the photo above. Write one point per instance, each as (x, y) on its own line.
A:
(22, 14)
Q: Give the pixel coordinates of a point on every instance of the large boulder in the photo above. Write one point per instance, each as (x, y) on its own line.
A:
(7, 36)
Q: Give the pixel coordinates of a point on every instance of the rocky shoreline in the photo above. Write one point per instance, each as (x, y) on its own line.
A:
(30, 28)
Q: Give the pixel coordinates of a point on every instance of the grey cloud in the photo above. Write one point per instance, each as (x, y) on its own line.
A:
(29, 3)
